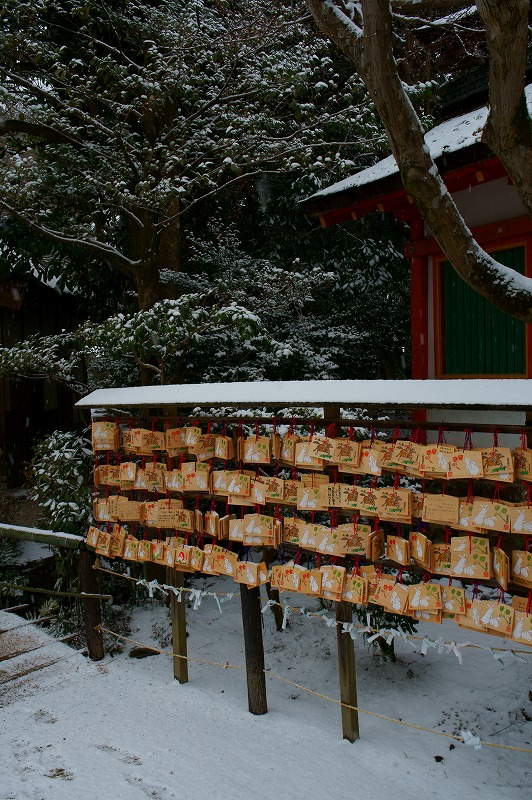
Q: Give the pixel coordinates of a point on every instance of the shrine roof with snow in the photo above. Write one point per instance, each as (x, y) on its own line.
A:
(452, 144)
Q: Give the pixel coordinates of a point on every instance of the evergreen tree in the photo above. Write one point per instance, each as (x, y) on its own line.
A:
(127, 123)
(154, 155)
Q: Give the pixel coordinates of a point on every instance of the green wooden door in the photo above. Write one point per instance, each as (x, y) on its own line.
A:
(478, 339)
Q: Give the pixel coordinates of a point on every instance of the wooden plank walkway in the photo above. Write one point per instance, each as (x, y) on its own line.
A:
(24, 650)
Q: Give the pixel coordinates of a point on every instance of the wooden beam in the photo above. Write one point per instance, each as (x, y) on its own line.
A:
(493, 232)
(92, 615)
(419, 309)
(12, 609)
(379, 424)
(332, 412)
(270, 554)
(179, 625)
(254, 649)
(54, 538)
(36, 590)
(347, 673)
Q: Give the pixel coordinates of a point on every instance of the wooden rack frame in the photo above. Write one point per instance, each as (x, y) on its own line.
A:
(176, 404)
(325, 422)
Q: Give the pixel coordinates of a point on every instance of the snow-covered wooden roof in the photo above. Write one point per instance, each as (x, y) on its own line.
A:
(450, 138)
(473, 393)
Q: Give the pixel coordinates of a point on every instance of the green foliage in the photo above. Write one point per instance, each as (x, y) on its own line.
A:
(169, 332)
(56, 357)
(9, 550)
(127, 122)
(61, 473)
(170, 142)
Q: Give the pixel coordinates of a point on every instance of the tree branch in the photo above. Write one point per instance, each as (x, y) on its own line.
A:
(59, 104)
(429, 5)
(114, 256)
(133, 217)
(335, 24)
(36, 90)
(374, 60)
(508, 132)
(143, 365)
(52, 135)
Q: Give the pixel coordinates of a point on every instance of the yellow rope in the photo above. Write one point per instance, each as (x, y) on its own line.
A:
(389, 719)
(318, 616)
(227, 665)
(136, 580)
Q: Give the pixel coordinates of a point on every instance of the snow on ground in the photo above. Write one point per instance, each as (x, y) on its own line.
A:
(123, 728)
(32, 551)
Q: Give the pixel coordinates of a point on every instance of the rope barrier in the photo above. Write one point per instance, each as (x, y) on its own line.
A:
(270, 674)
(226, 665)
(156, 584)
(315, 615)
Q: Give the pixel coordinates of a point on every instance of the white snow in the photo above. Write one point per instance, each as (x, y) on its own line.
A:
(481, 393)
(448, 137)
(124, 729)
(39, 532)
(31, 551)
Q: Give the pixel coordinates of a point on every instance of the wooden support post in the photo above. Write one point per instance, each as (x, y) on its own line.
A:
(270, 554)
(92, 614)
(252, 622)
(346, 649)
(347, 672)
(179, 625)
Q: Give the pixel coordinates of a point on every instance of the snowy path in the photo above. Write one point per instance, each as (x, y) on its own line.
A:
(124, 729)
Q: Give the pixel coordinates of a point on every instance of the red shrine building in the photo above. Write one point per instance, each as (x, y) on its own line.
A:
(456, 333)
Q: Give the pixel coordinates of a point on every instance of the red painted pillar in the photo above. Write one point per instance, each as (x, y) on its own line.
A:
(419, 304)
(419, 308)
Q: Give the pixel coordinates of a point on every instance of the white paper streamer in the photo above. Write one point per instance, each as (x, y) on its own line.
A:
(175, 590)
(267, 605)
(196, 596)
(144, 582)
(287, 612)
(426, 644)
(470, 740)
(213, 594)
(456, 648)
(505, 655)
(405, 638)
(151, 586)
(390, 634)
(368, 628)
(350, 628)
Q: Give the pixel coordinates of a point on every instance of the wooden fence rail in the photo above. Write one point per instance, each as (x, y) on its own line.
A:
(88, 578)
